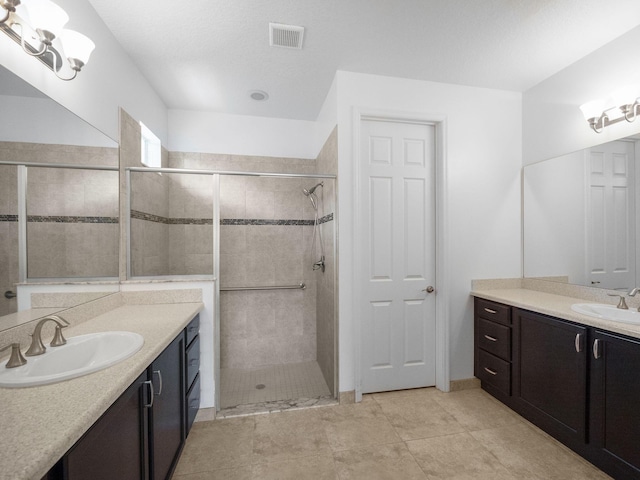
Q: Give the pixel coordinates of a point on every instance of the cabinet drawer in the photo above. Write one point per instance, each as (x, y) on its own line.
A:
(193, 402)
(494, 338)
(193, 328)
(494, 371)
(193, 361)
(496, 312)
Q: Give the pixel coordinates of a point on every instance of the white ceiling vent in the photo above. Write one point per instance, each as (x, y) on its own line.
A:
(286, 36)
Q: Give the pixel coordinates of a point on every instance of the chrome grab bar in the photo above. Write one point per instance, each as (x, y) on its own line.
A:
(300, 286)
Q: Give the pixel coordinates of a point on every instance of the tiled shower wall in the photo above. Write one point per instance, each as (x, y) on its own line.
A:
(72, 228)
(263, 241)
(326, 297)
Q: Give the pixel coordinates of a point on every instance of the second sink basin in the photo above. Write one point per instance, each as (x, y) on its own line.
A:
(81, 355)
(607, 312)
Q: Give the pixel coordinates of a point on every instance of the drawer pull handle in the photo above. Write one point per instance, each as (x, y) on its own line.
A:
(578, 343)
(488, 310)
(490, 338)
(596, 349)
(488, 370)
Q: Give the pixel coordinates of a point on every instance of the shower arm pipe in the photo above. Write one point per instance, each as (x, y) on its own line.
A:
(300, 286)
(223, 172)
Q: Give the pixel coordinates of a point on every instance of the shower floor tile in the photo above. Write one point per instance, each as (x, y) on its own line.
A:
(271, 384)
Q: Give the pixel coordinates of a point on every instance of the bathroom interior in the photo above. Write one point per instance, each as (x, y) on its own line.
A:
(256, 206)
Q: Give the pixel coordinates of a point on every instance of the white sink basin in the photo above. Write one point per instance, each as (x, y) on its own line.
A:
(607, 312)
(81, 355)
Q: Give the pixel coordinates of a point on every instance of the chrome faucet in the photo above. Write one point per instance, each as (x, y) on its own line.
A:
(37, 347)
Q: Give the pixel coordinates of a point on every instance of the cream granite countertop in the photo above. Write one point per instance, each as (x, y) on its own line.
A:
(554, 305)
(39, 424)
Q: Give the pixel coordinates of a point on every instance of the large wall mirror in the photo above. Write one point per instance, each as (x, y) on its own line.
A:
(580, 217)
(71, 230)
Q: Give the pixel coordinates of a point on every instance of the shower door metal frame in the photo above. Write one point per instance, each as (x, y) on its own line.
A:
(22, 191)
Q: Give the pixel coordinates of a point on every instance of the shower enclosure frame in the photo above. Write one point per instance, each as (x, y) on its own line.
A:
(22, 191)
(216, 174)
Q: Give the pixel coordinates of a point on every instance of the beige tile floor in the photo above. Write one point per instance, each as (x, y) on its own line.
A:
(413, 434)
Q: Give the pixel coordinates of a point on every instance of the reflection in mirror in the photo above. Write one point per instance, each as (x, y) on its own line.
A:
(580, 217)
(72, 214)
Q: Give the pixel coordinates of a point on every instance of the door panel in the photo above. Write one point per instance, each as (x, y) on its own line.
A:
(397, 258)
(611, 215)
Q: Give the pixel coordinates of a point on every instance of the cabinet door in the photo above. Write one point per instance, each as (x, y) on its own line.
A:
(550, 375)
(615, 400)
(115, 446)
(167, 414)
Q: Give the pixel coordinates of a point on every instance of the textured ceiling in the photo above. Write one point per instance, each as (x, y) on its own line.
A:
(209, 54)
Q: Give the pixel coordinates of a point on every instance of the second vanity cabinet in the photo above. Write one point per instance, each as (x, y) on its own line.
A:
(579, 384)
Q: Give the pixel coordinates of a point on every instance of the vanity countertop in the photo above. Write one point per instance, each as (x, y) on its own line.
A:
(554, 305)
(39, 424)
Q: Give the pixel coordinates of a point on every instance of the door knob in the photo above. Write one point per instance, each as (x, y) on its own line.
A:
(429, 289)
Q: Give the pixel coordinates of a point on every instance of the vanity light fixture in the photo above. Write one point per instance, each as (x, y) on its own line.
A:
(623, 103)
(38, 26)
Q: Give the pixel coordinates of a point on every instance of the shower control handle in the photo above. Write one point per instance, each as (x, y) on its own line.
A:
(429, 289)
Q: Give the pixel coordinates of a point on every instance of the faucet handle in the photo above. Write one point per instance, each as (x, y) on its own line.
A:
(16, 359)
(58, 338)
(621, 304)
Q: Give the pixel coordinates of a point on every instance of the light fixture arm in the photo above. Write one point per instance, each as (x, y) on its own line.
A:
(74, 67)
(9, 6)
(630, 111)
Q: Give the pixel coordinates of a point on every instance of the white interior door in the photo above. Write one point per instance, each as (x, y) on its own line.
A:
(397, 259)
(610, 221)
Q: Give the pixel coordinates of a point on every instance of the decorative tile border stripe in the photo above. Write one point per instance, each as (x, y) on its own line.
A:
(70, 219)
(258, 221)
(60, 219)
(149, 217)
(325, 219)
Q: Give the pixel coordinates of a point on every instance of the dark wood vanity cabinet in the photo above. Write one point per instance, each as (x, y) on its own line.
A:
(550, 374)
(579, 384)
(166, 413)
(192, 377)
(140, 437)
(614, 409)
(493, 348)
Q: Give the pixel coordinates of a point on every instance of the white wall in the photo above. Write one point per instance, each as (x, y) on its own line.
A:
(41, 120)
(110, 79)
(483, 160)
(211, 132)
(553, 124)
(554, 244)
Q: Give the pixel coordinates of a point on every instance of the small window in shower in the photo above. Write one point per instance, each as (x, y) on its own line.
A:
(150, 154)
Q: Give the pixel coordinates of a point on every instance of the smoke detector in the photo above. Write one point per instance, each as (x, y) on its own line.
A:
(285, 36)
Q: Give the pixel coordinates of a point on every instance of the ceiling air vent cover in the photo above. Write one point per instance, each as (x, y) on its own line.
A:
(286, 36)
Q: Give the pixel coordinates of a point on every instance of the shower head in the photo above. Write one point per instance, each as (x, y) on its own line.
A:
(309, 191)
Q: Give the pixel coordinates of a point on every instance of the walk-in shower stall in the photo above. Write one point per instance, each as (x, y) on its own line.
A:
(268, 241)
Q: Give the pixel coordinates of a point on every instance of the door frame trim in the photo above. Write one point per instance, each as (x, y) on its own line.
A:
(439, 121)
